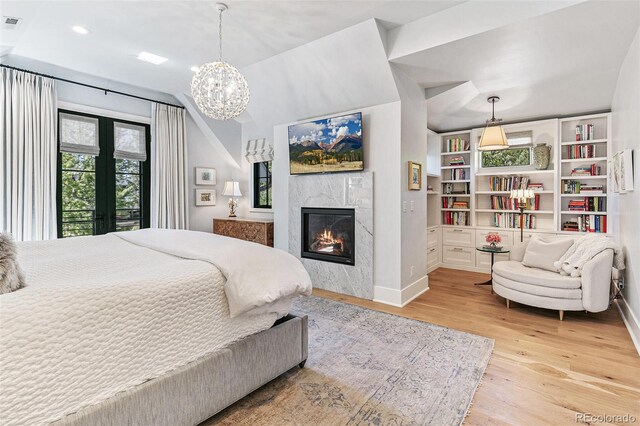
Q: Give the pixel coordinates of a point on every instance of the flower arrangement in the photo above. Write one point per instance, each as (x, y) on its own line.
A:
(493, 239)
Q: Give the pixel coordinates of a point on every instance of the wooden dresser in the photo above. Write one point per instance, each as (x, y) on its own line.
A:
(255, 230)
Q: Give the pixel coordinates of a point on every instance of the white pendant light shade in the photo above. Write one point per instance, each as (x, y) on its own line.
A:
(220, 91)
(218, 88)
(493, 136)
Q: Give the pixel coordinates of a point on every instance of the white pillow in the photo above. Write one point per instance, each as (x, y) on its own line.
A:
(543, 252)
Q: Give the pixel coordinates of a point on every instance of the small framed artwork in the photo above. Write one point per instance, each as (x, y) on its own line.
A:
(205, 176)
(205, 197)
(415, 176)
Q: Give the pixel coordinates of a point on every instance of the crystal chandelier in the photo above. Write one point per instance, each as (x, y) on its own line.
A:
(219, 89)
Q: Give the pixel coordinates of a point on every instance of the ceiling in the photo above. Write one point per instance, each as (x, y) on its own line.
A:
(560, 63)
(185, 32)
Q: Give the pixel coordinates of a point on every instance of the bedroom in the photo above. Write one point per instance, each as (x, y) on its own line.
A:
(295, 237)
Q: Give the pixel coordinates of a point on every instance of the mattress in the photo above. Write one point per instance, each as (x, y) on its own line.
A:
(100, 315)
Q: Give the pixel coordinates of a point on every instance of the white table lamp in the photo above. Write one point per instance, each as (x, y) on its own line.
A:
(232, 190)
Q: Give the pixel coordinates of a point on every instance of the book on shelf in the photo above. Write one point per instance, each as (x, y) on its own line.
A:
(453, 203)
(461, 188)
(586, 223)
(458, 174)
(585, 132)
(592, 170)
(575, 187)
(457, 145)
(457, 160)
(588, 204)
(455, 218)
(508, 203)
(512, 220)
(460, 204)
(535, 186)
(581, 151)
(507, 183)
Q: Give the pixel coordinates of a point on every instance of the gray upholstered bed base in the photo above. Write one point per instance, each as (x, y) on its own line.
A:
(197, 391)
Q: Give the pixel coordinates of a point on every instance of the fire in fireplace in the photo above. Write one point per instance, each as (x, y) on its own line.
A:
(329, 235)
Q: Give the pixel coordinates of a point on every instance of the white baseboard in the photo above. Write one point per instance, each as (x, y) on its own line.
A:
(400, 298)
(464, 268)
(630, 320)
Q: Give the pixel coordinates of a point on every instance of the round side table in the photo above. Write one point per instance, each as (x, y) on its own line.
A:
(493, 251)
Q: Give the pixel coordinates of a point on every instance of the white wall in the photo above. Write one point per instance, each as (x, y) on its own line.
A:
(381, 141)
(624, 208)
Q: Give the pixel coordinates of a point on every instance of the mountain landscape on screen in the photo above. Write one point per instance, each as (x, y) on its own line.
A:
(327, 145)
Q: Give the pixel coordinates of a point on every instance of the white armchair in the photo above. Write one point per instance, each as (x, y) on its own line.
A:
(550, 290)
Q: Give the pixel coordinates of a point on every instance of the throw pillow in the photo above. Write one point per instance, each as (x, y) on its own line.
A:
(11, 276)
(543, 252)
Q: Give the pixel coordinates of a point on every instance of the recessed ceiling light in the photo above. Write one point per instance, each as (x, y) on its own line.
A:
(80, 30)
(150, 57)
(195, 69)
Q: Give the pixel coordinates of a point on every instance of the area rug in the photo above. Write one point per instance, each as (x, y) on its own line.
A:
(369, 368)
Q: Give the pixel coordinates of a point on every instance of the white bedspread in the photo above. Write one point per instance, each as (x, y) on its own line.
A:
(100, 315)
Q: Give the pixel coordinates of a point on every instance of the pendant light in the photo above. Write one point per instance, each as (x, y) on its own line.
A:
(219, 89)
(493, 137)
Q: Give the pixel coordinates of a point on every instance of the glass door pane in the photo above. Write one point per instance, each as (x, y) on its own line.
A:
(78, 194)
(128, 192)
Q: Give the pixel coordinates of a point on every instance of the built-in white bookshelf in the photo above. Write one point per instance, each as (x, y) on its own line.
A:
(456, 170)
(584, 173)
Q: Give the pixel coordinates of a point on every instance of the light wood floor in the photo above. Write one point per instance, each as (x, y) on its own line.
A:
(542, 371)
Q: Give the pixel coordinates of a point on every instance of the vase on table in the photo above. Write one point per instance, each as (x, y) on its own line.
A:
(541, 156)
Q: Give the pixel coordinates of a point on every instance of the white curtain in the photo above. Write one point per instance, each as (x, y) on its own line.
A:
(28, 156)
(169, 198)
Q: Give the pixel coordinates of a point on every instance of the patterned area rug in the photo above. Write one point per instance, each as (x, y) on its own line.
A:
(369, 368)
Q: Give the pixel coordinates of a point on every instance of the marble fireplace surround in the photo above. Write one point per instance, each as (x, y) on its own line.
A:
(339, 190)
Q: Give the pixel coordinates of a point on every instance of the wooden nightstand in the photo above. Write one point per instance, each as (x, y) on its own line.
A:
(255, 230)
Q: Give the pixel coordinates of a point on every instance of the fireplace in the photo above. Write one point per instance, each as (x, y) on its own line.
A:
(329, 235)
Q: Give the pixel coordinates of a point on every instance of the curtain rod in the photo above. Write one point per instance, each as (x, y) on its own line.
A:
(102, 89)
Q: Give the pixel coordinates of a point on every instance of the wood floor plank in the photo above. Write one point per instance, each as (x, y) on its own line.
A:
(543, 371)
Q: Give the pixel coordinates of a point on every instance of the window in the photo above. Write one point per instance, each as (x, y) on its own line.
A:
(103, 175)
(518, 154)
(262, 185)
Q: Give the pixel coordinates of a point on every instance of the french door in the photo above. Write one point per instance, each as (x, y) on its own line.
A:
(103, 174)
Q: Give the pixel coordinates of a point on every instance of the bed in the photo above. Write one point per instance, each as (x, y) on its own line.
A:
(146, 327)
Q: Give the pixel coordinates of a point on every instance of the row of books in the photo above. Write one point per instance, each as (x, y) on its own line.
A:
(584, 132)
(586, 223)
(452, 203)
(581, 151)
(535, 186)
(507, 183)
(456, 160)
(459, 174)
(592, 170)
(456, 145)
(456, 188)
(512, 220)
(507, 203)
(455, 218)
(575, 187)
(589, 204)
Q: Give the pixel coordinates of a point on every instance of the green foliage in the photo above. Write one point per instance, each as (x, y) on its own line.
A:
(507, 157)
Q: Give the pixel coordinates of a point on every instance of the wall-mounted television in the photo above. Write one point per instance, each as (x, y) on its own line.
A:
(329, 145)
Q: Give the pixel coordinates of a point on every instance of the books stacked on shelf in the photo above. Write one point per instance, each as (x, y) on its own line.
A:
(507, 183)
(507, 203)
(535, 186)
(456, 188)
(586, 223)
(588, 204)
(512, 220)
(581, 151)
(457, 145)
(575, 187)
(592, 170)
(455, 218)
(457, 160)
(452, 203)
(584, 132)
(458, 174)
(460, 204)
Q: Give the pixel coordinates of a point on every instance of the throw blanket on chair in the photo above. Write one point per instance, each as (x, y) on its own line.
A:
(583, 250)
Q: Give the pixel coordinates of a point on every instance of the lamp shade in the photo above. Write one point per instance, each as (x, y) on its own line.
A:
(522, 194)
(493, 138)
(232, 189)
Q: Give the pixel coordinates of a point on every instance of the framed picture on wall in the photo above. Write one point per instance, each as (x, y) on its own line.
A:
(205, 197)
(415, 176)
(205, 176)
